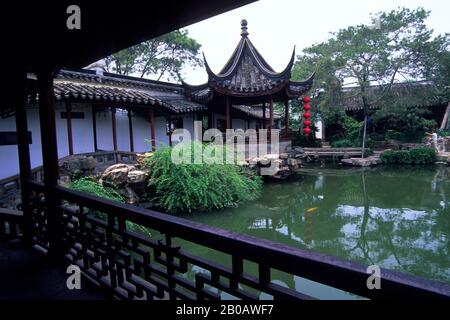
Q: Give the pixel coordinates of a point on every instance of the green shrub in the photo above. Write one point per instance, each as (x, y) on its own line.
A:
(394, 135)
(347, 143)
(199, 187)
(300, 140)
(413, 156)
(90, 186)
(443, 133)
(422, 155)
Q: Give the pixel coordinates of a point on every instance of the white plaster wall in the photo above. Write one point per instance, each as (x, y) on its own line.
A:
(61, 130)
(319, 133)
(252, 124)
(239, 124)
(104, 130)
(161, 137)
(141, 134)
(9, 157)
(8, 154)
(82, 131)
(122, 131)
(188, 123)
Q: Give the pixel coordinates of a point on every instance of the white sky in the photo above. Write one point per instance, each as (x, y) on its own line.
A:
(275, 26)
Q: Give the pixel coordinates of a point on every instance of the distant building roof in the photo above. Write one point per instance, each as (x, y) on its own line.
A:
(87, 86)
(416, 93)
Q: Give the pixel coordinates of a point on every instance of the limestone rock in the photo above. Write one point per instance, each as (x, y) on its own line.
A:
(77, 165)
(129, 194)
(136, 176)
(292, 162)
(141, 157)
(116, 175)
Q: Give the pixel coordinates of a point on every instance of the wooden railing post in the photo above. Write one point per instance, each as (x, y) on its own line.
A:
(24, 155)
(50, 161)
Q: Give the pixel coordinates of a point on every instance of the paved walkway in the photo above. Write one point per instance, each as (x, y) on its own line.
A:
(27, 274)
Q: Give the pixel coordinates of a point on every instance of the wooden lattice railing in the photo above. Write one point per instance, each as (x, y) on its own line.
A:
(106, 240)
(11, 222)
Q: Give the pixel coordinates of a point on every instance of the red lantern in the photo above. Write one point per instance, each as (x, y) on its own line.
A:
(306, 115)
(306, 131)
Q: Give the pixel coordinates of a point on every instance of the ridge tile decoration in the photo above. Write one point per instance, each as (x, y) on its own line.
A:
(247, 74)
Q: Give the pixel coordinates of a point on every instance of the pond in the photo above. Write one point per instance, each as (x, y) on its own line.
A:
(395, 217)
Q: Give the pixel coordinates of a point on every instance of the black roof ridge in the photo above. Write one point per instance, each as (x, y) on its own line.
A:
(118, 77)
(404, 83)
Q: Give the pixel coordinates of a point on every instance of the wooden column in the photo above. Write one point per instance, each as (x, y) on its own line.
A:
(270, 121)
(228, 113)
(24, 153)
(130, 129)
(114, 129)
(271, 115)
(264, 115)
(169, 119)
(50, 161)
(151, 117)
(114, 132)
(94, 127)
(69, 126)
(286, 116)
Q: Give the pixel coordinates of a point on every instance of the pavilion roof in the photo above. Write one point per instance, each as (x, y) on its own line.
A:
(248, 75)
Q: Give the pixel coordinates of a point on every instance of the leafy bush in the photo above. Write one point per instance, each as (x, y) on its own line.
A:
(88, 185)
(413, 156)
(300, 140)
(347, 143)
(443, 133)
(422, 155)
(199, 187)
(344, 143)
(407, 124)
(394, 135)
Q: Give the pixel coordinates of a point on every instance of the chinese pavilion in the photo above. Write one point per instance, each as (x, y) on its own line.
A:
(247, 79)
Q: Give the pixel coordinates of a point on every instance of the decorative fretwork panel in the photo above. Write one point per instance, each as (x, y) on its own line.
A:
(140, 254)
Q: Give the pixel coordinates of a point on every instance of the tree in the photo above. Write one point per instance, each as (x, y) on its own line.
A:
(162, 56)
(398, 46)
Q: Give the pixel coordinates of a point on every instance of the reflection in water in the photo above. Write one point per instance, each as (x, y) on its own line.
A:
(398, 218)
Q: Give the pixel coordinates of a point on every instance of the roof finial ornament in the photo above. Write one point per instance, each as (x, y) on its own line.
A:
(244, 31)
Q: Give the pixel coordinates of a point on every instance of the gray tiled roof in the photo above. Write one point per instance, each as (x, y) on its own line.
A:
(416, 93)
(87, 86)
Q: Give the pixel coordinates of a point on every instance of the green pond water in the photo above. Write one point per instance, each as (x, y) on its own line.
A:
(395, 217)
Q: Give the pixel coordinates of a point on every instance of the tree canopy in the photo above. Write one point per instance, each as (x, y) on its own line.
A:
(396, 47)
(163, 56)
